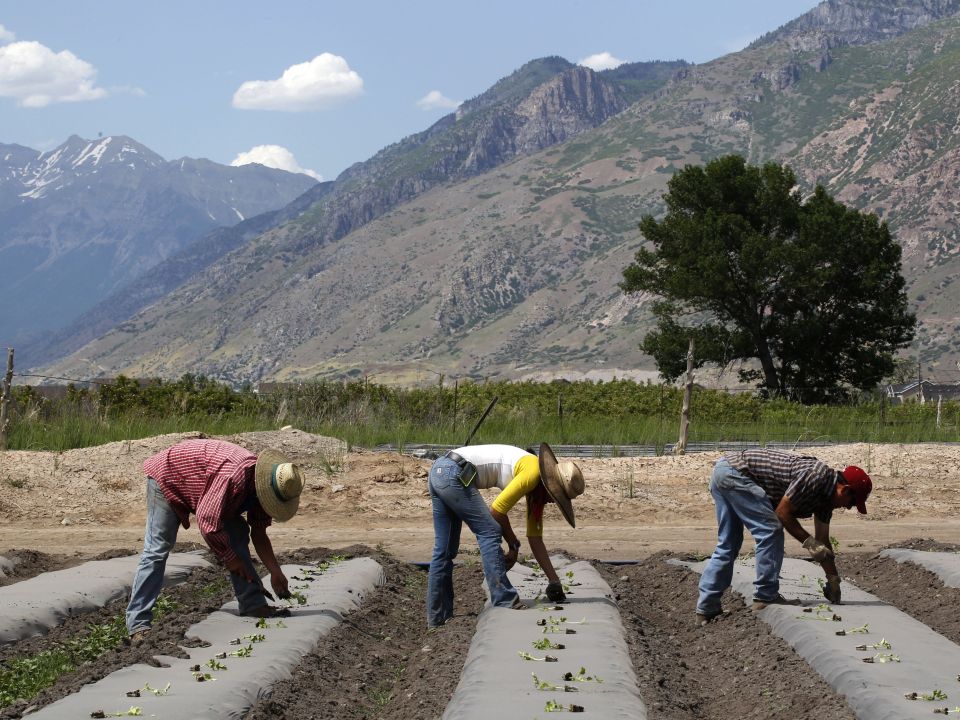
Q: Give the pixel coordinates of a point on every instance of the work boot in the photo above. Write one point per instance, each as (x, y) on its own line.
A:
(705, 618)
(778, 600)
(139, 637)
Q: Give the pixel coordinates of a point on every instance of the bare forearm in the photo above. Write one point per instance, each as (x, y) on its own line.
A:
(543, 558)
(264, 548)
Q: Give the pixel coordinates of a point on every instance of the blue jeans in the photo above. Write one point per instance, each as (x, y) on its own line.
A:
(741, 503)
(158, 539)
(453, 505)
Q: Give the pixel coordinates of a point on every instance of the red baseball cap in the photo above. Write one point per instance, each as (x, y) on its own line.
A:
(860, 485)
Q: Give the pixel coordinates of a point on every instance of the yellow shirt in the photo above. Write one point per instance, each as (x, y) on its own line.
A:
(526, 478)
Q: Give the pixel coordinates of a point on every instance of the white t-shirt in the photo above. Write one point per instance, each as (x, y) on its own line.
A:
(495, 463)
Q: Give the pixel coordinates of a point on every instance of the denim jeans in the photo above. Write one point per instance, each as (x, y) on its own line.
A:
(741, 503)
(158, 539)
(453, 505)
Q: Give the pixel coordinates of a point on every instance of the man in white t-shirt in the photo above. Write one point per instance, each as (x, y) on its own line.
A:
(455, 483)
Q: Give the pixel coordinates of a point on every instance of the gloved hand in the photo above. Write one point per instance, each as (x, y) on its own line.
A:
(831, 589)
(555, 592)
(818, 551)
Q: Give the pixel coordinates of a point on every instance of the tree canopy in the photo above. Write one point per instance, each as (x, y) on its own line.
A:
(808, 288)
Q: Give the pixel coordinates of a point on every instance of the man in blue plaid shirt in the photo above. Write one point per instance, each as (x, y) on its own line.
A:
(766, 491)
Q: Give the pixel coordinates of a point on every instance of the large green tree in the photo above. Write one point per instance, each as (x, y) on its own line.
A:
(809, 289)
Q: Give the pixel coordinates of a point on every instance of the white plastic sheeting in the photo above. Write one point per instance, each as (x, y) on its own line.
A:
(497, 682)
(334, 593)
(875, 691)
(32, 607)
(946, 565)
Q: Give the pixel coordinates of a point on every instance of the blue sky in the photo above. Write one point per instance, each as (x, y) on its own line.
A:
(319, 85)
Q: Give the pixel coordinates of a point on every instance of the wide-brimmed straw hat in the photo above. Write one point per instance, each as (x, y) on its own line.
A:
(563, 481)
(279, 483)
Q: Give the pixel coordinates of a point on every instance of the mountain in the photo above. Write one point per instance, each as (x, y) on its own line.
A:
(513, 270)
(541, 104)
(81, 220)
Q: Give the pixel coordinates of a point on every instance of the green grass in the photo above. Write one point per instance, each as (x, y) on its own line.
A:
(618, 412)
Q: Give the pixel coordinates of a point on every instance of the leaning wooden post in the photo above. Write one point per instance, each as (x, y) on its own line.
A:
(681, 447)
(5, 401)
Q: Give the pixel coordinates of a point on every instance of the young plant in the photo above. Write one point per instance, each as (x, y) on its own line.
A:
(299, 597)
(547, 644)
(134, 711)
(215, 664)
(528, 656)
(930, 696)
(243, 652)
(863, 629)
(882, 658)
(155, 691)
(581, 676)
(554, 706)
(543, 684)
(881, 645)
(203, 677)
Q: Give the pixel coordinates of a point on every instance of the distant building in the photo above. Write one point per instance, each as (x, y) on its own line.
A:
(923, 391)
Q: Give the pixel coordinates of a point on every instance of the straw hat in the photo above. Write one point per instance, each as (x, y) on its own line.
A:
(279, 483)
(563, 481)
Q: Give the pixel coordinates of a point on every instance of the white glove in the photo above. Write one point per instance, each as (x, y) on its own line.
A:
(818, 551)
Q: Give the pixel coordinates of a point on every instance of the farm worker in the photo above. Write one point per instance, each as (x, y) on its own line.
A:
(455, 483)
(766, 491)
(218, 481)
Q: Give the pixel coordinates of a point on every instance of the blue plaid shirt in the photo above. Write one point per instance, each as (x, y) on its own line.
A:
(808, 482)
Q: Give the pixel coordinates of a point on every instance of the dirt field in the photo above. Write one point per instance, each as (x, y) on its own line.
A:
(381, 662)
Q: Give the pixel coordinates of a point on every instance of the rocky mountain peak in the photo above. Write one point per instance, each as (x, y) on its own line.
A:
(836, 23)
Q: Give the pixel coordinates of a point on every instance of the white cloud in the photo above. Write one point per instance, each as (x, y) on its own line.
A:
(274, 156)
(36, 76)
(314, 85)
(436, 100)
(601, 61)
(6, 36)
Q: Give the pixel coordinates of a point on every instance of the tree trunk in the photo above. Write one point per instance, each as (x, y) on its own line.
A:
(681, 447)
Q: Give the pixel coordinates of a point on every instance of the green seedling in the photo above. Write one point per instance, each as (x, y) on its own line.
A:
(215, 664)
(545, 685)
(300, 598)
(556, 629)
(260, 637)
(549, 608)
(155, 691)
(528, 656)
(134, 711)
(863, 629)
(569, 574)
(133, 693)
(546, 644)
(882, 645)
(804, 581)
(554, 706)
(243, 652)
(581, 676)
(821, 612)
(263, 624)
(203, 677)
(930, 696)
(882, 658)
(945, 711)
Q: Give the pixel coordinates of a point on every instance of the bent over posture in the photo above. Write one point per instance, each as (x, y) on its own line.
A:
(455, 483)
(766, 491)
(218, 481)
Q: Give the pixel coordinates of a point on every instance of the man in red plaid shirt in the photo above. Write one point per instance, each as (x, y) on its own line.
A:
(218, 482)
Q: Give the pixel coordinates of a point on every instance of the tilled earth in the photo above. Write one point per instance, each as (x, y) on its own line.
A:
(381, 662)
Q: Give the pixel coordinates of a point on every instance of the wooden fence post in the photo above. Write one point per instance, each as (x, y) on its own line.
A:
(5, 401)
(681, 447)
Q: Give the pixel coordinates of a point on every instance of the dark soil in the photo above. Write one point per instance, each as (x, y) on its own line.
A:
(915, 591)
(30, 563)
(733, 667)
(381, 662)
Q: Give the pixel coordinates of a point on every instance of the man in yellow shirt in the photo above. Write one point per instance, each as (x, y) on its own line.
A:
(455, 483)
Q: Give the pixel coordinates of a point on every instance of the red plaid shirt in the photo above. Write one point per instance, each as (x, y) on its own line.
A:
(208, 477)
